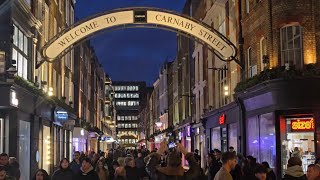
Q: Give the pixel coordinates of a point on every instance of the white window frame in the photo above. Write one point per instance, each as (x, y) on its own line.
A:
(60, 6)
(263, 51)
(284, 58)
(46, 22)
(40, 10)
(222, 82)
(67, 11)
(55, 26)
(247, 6)
(249, 64)
(20, 50)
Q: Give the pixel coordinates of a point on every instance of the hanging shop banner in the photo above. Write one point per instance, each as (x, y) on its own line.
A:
(139, 17)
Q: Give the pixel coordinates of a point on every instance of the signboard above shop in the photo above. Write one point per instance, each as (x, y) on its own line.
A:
(61, 116)
(302, 125)
(222, 119)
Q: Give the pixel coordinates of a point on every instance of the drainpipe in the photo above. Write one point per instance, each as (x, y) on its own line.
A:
(240, 42)
(242, 122)
(271, 28)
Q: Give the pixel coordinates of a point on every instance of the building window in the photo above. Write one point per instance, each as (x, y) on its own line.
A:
(291, 46)
(67, 8)
(263, 52)
(252, 69)
(215, 138)
(46, 23)
(55, 26)
(39, 10)
(247, 6)
(223, 87)
(20, 52)
(60, 6)
(261, 139)
(71, 15)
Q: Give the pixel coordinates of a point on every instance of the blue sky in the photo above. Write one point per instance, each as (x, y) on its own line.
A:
(131, 54)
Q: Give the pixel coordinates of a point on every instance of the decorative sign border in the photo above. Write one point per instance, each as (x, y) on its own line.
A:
(222, 47)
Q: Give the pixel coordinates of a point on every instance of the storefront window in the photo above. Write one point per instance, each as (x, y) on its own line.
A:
(233, 136)
(297, 140)
(215, 138)
(46, 146)
(261, 138)
(70, 145)
(24, 148)
(1, 133)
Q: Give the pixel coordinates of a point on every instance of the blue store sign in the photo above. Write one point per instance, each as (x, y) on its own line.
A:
(61, 116)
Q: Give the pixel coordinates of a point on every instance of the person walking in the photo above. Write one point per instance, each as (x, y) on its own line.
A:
(294, 170)
(174, 169)
(270, 174)
(86, 171)
(11, 171)
(130, 168)
(76, 163)
(102, 171)
(64, 172)
(140, 165)
(41, 174)
(313, 172)
(229, 161)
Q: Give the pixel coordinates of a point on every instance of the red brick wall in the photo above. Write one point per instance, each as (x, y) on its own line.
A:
(256, 24)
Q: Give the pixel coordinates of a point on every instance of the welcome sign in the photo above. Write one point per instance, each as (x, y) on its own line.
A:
(137, 16)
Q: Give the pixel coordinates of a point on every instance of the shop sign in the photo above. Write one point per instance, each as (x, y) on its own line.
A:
(61, 116)
(302, 125)
(13, 98)
(221, 45)
(222, 119)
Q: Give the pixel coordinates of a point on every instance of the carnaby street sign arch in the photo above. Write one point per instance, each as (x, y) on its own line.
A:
(138, 17)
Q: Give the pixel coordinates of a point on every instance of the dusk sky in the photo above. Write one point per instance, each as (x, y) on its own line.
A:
(131, 54)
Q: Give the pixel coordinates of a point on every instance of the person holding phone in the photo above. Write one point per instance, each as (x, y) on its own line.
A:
(174, 169)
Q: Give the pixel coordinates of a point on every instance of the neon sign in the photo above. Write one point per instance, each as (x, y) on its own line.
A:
(302, 125)
(222, 119)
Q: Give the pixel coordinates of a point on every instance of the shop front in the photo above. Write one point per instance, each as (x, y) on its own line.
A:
(79, 141)
(281, 121)
(198, 136)
(222, 128)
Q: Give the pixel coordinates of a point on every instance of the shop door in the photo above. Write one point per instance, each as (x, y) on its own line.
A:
(224, 139)
(298, 141)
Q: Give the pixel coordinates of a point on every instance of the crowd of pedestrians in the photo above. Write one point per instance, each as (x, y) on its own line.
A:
(162, 164)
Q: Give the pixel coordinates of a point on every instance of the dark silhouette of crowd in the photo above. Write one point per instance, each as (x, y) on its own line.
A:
(162, 164)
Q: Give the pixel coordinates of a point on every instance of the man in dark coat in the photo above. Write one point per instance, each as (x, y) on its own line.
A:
(140, 165)
(294, 170)
(174, 170)
(75, 165)
(131, 170)
(86, 171)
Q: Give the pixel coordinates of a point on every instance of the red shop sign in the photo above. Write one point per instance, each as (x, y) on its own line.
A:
(302, 125)
(222, 119)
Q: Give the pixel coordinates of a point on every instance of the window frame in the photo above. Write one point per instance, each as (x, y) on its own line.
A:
(285, 59)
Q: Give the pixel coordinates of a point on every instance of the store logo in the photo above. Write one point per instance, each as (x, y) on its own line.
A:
(222, 119)
(13, 98)
(302, 125)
